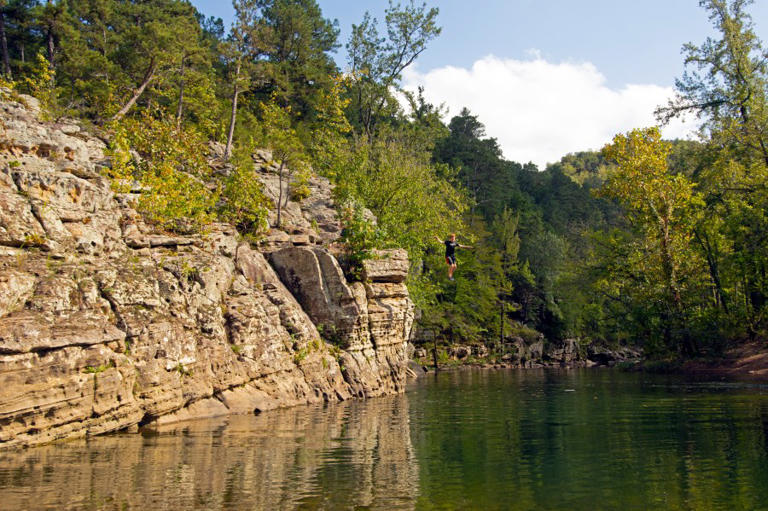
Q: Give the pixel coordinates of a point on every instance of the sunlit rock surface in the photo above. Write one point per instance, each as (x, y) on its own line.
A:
(106, 324)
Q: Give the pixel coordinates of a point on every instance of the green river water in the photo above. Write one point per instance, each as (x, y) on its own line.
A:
(474, 439)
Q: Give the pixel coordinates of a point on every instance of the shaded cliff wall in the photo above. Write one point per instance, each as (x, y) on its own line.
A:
(106, 324)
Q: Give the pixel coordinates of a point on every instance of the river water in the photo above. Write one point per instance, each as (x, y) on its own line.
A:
(474, 439)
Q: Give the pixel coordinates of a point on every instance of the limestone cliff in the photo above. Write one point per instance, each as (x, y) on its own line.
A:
(105, 324)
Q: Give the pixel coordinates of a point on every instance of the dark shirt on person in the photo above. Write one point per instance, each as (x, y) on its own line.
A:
(450, 248)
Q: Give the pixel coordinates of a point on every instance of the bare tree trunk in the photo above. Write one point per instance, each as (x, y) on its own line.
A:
(288, 188)
(280, 193)
(104, 51)
(721, 299)
(233, 117)
(51, 49)
(180, 108)
(138, 92)
(6, 58)
(501, 324)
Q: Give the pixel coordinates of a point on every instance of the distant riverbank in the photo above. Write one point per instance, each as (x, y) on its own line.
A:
(748, 361)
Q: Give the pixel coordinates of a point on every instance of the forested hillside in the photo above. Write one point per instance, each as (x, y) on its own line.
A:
(663, 244)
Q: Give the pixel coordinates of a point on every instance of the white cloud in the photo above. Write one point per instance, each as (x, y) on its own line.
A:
(540, 111)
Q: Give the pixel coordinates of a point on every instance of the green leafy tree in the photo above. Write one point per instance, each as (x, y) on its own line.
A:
(287, 150)
(377, 63)
(300, 67)
(506, 234)
(662, 207)
(405, 192)
(727, 85)
(243, 50)
(328, 145)
(244, 203)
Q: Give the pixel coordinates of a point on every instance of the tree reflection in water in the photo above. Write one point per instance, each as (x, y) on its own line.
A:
(472, 439)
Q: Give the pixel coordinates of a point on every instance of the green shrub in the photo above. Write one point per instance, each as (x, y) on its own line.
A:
(300, 355)
(299, 191)
(360, 236)
(243, 203)
(183, 371)
(528, 334)
(172, 171)
(40, 83)
(100, 368)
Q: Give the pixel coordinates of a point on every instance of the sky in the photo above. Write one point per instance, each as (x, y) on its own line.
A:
(547, 77)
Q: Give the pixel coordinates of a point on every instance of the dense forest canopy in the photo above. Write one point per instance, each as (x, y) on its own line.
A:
(663, 244)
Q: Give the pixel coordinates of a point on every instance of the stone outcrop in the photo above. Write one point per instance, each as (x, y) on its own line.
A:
(106, 324)
(533, 353)
(369, 319)
(603, 355)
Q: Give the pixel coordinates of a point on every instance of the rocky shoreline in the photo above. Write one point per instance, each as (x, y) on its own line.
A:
(518, 353)
(746, 361)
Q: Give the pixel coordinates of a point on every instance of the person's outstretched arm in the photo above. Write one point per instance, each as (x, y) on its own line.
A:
(438, 238)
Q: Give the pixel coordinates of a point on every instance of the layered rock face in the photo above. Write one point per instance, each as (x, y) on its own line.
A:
(369, 319)
(105, 324)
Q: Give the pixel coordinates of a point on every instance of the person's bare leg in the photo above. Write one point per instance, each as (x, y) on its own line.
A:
(451, 269)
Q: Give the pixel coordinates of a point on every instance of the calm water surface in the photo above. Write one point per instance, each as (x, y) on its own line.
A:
(465, 440)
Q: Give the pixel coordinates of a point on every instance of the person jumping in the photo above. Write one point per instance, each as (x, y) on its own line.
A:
(450, 253)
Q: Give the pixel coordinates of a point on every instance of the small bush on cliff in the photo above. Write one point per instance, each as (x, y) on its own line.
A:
(100, 368)
(299, 188)
(360, 236)
(243, 202)
(40, 83)
(171, 171)
(331, 334)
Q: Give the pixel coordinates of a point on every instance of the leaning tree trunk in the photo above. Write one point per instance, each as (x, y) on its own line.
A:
(280, 193)
(233, 115)
(138, 92)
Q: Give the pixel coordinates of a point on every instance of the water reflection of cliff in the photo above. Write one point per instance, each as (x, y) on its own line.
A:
(346, 455)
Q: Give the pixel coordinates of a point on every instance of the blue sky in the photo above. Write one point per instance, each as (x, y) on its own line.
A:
(548, 77)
